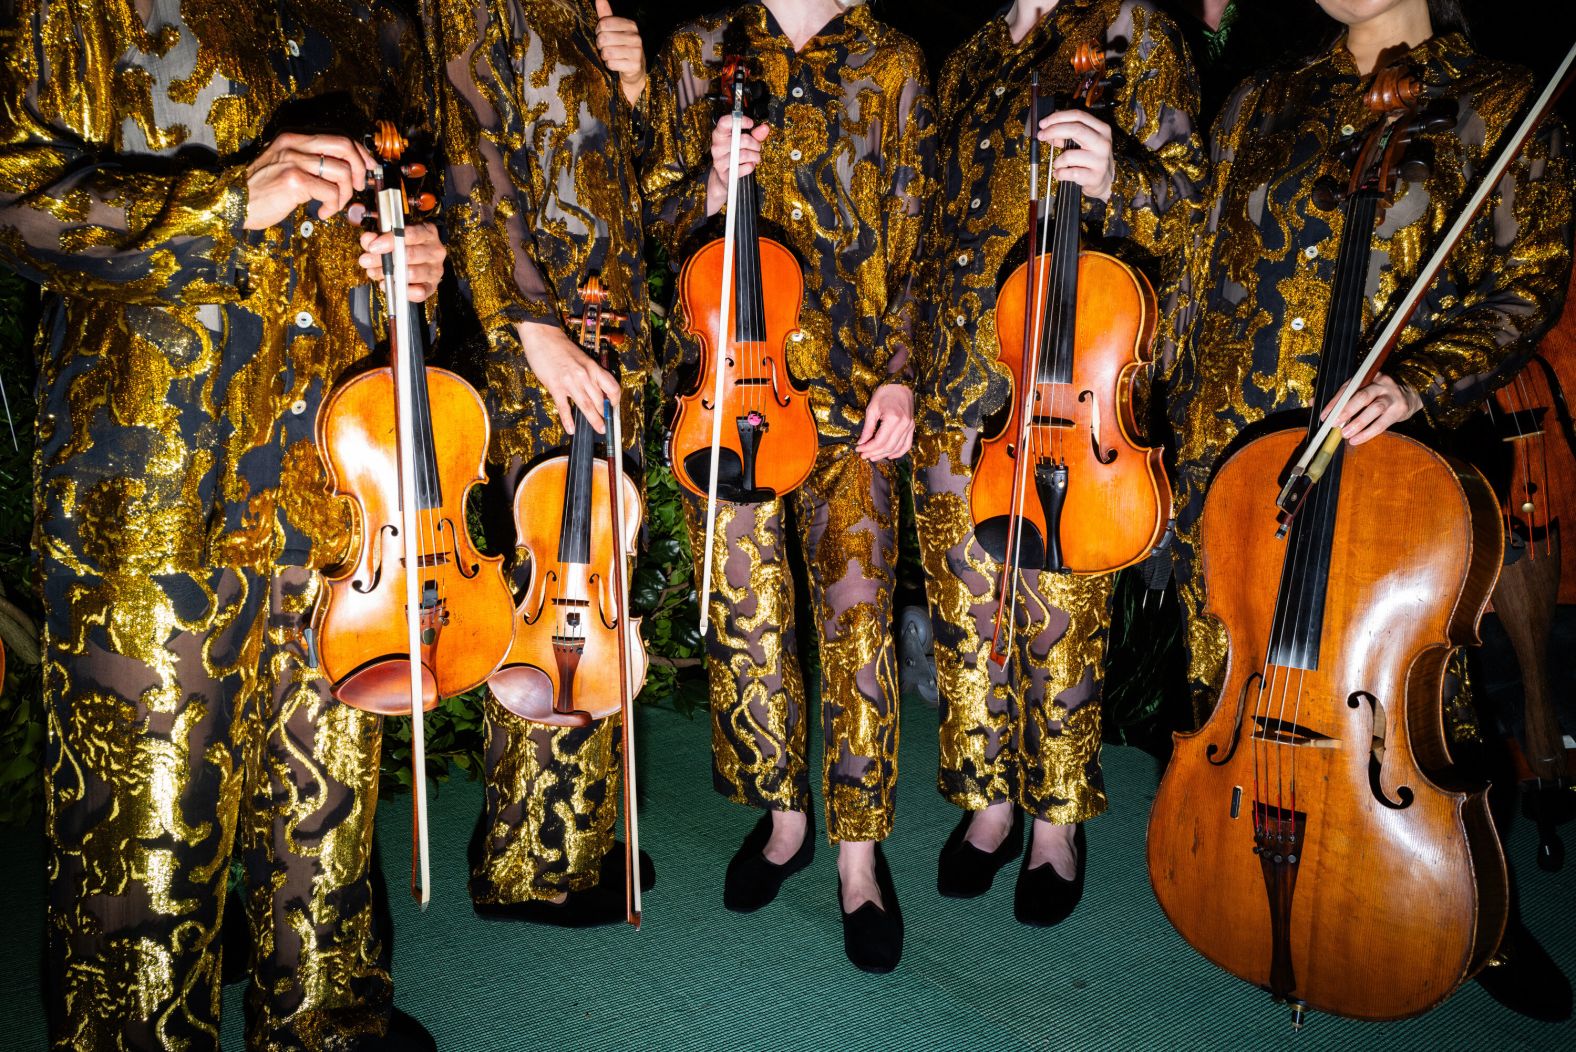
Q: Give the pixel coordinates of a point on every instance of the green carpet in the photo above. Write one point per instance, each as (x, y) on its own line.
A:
(1115, 976)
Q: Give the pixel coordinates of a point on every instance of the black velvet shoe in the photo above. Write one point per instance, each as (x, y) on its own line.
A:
(1525, 979)
(1044, 897)
(601, 904)
(751, 881)
(873, 935)
(964, 871)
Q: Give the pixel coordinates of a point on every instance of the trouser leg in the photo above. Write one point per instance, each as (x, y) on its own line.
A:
(759, 736)
(321, 961)
(1026, 730)
(148, 757)
(552, 800)
(848, 522)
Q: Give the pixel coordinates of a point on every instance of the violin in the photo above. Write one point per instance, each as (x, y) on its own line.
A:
(1063, 485)
(387, 637)
(1312, 837)
(577, 655)
(745, 433)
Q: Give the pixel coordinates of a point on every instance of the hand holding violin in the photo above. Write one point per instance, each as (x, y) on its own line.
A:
(1086, 157)
(570, 376)
(618, 42)
(295, 169)
(424, 253)
(722, 148)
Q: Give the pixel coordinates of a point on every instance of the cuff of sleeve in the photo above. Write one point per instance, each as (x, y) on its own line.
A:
(1439, 409)
(1126, 184)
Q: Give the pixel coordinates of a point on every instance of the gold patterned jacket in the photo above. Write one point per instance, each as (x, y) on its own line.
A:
(982, 211)
(183, 358)
(1253, 301)
(542, 193)
(846, 176)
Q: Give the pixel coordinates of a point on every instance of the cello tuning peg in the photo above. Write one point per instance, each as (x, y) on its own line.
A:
(1327, 193)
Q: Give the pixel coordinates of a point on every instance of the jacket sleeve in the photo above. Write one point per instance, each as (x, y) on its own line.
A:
(82, 218)
(913, 175)
(1502, 289)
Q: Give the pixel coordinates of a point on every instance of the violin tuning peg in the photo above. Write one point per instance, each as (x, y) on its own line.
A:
(414, 171)
(359, 213)
(426, 202)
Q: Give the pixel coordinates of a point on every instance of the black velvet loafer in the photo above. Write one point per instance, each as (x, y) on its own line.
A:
(1044, 897)
(601, 904)
(752, 881)
(963, 870)
(873, 935)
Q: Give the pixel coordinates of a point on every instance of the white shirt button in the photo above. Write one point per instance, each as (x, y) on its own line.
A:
(298, 406)
(1000, 91)
(963, 259)
(974, 203)
(798, 336)
(293, 48)
(797, 213)
(1312, 252)
(984, 144)
(794, 155)
(962, 320)
(1347, 129)
(306, 228)
(303, 320)
(798, 93)
(1298, 324)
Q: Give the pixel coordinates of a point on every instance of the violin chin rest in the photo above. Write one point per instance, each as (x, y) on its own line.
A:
(383, 687)
(527, 692)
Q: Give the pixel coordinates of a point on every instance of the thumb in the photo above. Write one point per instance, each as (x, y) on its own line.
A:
(872, 421)
(604, 9)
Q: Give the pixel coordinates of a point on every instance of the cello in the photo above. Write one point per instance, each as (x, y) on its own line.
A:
(1312, 837)
(740, 296)
(577, 655)
(387, 637)
(1529, 413)
(1064, 486)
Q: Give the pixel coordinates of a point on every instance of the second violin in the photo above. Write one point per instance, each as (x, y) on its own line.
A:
(1064, 485)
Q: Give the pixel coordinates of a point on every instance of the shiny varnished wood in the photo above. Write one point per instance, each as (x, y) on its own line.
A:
(1399, 890)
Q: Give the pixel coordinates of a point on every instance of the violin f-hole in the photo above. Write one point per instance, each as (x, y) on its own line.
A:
(1104, 456)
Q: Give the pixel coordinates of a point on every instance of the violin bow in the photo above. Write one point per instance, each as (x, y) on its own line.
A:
(614, 443)
(396, 287)
(1316, 455)
(725, 307)
(1034, 317)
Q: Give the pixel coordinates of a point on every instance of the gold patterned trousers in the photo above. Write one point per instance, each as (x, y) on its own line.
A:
(1027, 730)
(552, 795)
(186, 730)
(847, 524)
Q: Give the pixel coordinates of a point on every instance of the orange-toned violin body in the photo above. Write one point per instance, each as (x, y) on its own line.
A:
(1070, 488)
(466, 606)
(769, 437)
(1117, 498)
(563, 668)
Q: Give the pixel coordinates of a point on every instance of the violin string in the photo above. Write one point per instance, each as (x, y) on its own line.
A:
(1543, 498)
